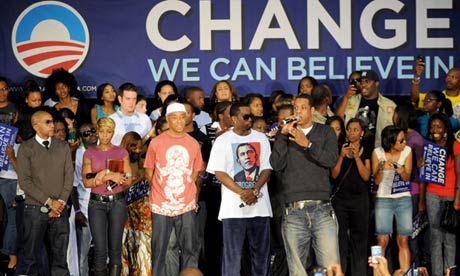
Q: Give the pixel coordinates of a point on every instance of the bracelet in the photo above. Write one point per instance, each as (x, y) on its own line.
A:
(77, 211)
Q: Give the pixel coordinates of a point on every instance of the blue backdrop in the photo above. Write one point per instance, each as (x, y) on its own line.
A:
(258, 45)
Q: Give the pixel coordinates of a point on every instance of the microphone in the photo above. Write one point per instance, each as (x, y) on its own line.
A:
(287, 121)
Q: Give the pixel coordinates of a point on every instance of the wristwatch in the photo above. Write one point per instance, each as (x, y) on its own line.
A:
(257, 193)
(45, 209)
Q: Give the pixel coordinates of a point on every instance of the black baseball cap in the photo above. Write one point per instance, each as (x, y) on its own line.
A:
(370, 74)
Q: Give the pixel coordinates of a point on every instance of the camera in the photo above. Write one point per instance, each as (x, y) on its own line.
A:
(355, 84)
(420, 57)
(319, 271)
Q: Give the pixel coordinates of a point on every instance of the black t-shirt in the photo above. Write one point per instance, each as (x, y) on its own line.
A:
(368, 112)
(8, 114)
(353, 184)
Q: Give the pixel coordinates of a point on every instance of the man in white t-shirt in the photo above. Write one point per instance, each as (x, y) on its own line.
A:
(245, 208)
(127, 118)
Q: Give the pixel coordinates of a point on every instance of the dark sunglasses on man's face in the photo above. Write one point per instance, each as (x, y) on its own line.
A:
(247, 117)
(87, 133)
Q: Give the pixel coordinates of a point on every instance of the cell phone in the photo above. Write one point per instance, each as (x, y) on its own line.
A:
(395, 165)
(347, 144)
(355, 84)
(90, 175)
(420, 57)
(319, 271)
(453, 271)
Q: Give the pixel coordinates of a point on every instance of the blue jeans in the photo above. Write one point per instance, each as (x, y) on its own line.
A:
(257, 231)
(84, 243)
(37, 227)
(8, 192)
(173, 252)
(185, 230)
(314, 225)
(387, 208)
(106, 222)
(439, 237)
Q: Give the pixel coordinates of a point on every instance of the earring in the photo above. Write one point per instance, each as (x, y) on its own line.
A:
(445, 135)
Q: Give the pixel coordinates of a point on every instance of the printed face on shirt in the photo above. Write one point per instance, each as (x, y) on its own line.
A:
(128, 101)
(176, 122)
(247, 156)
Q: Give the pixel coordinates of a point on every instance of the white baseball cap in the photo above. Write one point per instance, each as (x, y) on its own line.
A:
(175, 107)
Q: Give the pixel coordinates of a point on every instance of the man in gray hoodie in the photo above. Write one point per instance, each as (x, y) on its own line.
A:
(305, 151)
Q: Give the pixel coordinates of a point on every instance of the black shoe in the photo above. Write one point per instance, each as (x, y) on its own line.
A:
(10, 271)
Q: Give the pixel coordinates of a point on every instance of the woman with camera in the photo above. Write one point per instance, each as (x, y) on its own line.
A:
(350, 198)
(392, 169)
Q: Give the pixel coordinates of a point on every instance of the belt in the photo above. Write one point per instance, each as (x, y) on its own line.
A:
(107, 198)
(304, 203)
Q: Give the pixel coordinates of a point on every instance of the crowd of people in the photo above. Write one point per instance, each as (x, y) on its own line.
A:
(241, 186)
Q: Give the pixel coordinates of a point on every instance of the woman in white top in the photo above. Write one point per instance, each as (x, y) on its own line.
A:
(392, 167)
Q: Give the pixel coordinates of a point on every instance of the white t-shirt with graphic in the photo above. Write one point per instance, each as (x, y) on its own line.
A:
(242, 158)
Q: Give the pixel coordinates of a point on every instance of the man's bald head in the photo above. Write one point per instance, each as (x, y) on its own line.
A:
(38, 116)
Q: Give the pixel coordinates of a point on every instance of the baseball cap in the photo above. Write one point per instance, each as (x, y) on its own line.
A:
(370, 74)
(175, 107)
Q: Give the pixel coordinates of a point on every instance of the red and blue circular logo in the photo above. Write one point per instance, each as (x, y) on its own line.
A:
(49, 35)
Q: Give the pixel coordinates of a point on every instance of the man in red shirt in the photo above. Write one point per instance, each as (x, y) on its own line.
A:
(172, 165)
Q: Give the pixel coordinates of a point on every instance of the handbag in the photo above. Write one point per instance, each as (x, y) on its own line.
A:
(450, 218)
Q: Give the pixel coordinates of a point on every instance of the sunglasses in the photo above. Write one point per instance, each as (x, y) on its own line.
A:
(247, 117)
(87, 133)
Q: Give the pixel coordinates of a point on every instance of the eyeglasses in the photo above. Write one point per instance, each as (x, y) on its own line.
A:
(247, 117)
(49, 122)
(87, 133)
(5, 89)
(428, 100)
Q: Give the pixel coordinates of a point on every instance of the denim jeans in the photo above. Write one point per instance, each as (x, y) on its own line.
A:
(173, 267)
(185, 230)
(257, 232)
(106, 222)
(37, 227)
(387, 208)
(8, 192)
(439, 238)
(84, 244)
(313, 225)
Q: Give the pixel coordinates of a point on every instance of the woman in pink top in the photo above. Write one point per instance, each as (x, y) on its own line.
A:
(107, 171)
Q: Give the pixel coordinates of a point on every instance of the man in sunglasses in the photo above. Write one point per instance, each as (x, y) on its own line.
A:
(45, 172)
(245, 208)
(80, 198)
